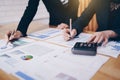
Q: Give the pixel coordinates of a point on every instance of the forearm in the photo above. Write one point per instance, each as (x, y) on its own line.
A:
(28, 16)
(85, 17)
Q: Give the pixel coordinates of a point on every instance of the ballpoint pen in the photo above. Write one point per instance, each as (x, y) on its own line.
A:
(11, 34)
(5, 46)
(70, 26)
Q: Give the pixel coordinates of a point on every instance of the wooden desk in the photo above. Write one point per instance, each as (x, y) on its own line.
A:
(109, 71)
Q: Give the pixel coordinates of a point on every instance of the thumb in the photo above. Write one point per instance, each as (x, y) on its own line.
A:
(73, 33)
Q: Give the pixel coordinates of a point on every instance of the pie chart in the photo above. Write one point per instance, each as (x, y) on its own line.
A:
(27, 57)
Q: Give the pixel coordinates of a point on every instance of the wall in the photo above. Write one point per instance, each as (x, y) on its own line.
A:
(12, 11)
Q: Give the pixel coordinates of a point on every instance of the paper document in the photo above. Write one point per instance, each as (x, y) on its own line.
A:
(45, 34)
(83, 37)
(10, 45)
(46, 61)
(112, 49)
(4, 46)
(21, 57)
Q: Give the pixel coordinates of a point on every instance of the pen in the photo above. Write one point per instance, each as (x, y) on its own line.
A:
(11, 34)
(70, 26)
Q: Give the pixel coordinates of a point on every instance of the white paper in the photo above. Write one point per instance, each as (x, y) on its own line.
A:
(50, 62)
(20, 42)
(83, 37)
(13, 58)
(76, 66)
(45, 34)
(112, 49)
(59, 64)
(40, 48)
(4, 46)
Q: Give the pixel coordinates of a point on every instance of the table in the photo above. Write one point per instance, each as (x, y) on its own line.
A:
(109, 71)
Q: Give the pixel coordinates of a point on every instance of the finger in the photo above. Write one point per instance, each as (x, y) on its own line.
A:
(96, 39)
(62, 26)
(105, 42)
(7, 35)
(66, 38)
(91, 38)
(9, 32)
(66, 34)
(59, 26)
(100, 39)
(11, 37)
(66, 30)
(16, 35)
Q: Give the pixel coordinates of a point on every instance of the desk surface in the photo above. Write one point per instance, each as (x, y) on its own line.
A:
(109, 71)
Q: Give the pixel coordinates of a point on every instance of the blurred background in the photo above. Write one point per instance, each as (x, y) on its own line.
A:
(11, 12)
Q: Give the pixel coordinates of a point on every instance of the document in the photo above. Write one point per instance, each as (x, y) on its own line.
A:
(40, 48)
(112, 49)
(76, 67)
(45, 61)
(20, 58)
(45, 34)
(83, 37)
(5, 47)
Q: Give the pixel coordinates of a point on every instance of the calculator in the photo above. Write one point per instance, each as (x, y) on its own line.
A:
(82, 48)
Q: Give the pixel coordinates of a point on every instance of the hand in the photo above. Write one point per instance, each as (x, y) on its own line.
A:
(102, 37)
(67, 35)
(11, 35)
(62, 26)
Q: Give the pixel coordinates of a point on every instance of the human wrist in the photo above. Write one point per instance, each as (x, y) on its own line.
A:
(20, 33)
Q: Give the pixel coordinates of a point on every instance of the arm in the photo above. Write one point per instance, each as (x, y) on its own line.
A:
(117, 34)
(85, 17)
(28, 15)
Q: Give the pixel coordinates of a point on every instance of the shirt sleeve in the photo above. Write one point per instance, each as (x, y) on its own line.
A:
(28, 15)
(85, 17)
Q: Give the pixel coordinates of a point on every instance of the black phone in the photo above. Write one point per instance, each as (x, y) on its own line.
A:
(82, 48)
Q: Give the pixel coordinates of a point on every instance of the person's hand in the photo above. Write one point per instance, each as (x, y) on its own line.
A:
(62, 26)
(11, 35)
(67, 35)
(102, 37)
